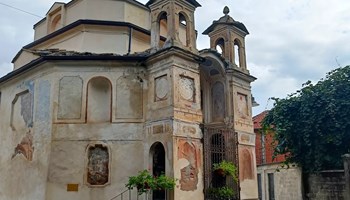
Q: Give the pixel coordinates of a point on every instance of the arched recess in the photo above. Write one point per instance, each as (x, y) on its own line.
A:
(157, 153)
(55, 23)
(184, 29)
(220, 46)
(246, 163)
(237, 52)
(99, 100)
(213, 95)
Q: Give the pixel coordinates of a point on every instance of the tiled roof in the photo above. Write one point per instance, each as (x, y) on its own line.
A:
(226, 20)
(63, 52)
(193, 2)
(257, 119)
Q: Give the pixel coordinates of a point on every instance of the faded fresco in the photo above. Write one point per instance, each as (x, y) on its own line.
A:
(98, 165)
(129, 98)
(246, 164)
(242, 105)
(189, 174)
(218, 102)
(25, 147)
(70, 97)
(187, 88)
(161, 88)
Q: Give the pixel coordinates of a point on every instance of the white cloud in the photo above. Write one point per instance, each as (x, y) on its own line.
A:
(5, 68)
(290, 41)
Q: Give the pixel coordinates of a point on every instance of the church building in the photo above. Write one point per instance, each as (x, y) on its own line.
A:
(109, 88)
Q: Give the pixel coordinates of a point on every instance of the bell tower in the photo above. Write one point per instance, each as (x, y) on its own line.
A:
(228, 36)
(173, 109)
(173, 20)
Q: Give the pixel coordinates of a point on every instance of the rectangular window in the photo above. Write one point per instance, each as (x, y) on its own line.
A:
(259, 187)
(271, 186)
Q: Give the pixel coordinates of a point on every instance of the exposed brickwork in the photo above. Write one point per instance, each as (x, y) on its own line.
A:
(258, 149)
(264, 144)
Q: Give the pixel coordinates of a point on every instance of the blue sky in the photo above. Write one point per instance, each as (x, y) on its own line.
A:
(290, 41)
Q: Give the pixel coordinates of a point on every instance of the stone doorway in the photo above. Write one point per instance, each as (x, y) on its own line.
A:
(158, 167)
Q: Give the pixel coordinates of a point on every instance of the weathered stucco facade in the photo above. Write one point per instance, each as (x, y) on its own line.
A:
(99, 96)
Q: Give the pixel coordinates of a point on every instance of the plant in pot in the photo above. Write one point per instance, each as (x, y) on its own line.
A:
(222, 193)
(226, 168)
(163, 182)
(144, 182)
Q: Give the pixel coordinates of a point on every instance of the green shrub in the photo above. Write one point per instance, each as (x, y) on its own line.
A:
(229, 169)
(145, 181)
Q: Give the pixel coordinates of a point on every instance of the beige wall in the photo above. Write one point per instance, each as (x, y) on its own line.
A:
(287, 182)
(113, 10)
(24, 58)
(91, 38)
(137, 15)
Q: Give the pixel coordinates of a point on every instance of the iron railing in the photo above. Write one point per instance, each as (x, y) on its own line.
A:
(133, 195)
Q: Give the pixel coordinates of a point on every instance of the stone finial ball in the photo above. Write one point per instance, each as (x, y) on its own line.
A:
(226, 10)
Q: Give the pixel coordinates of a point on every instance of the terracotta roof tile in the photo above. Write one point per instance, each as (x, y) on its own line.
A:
(257, 119)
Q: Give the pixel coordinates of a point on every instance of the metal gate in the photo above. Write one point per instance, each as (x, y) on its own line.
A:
(219, 144)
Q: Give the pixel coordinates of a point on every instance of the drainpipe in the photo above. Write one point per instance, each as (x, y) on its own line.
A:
(130, 36)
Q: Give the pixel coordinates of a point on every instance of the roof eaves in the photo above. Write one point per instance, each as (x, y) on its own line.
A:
(236, 24)
(80, 22)
(78, 57)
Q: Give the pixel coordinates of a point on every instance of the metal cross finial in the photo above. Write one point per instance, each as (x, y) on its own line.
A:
(226, 10)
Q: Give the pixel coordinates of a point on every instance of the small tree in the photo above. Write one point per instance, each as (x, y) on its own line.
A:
(312, 126)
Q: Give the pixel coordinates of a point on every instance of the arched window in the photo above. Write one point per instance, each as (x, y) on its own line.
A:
(157, 153)
(220, 46)
(163, 24)
(55, 23)
(237, 52)
(183, 30)
(99, 100)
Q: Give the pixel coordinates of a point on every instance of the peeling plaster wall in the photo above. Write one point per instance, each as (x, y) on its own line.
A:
(123, 135)
(25, 145)
(60, 147)
(173, 115)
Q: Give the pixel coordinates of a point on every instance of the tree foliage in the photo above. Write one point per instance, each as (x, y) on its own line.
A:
(312, 126)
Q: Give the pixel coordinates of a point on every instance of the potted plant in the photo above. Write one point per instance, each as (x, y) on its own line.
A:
(145, 182)
(226, 168)
(163, 182)
(222, 193)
